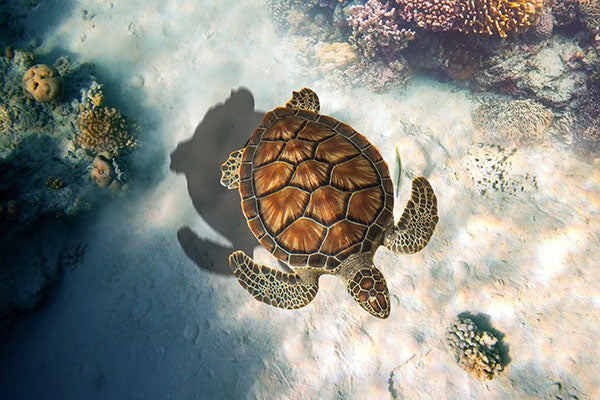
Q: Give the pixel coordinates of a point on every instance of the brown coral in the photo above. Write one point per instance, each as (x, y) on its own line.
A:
(43, 82)
(105, 129)
(53, 183)
(460, 59)
(474, 349)
(515, 121)
(102, 171)
(496, 16)
(589, 13)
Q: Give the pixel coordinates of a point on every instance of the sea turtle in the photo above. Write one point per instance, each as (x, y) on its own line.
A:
(318, 196)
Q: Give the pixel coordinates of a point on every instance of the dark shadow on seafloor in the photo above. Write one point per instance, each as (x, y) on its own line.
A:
(225, 127)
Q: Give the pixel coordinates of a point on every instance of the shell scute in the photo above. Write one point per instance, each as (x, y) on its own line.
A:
(335, 150)
(345, 129)
(354, 174)
(342, 235)
(316, 132)
(269, 152)
(321, 191)
(306, 114)
(328, 121)
(327, 204)
(364, 204)
(282, 129)
(296, 151)
(271, 177)
(302, 236)
(310, 174)
(282, 207)
(282, 112)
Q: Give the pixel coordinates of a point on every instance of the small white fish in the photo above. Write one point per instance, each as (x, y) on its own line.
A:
(397, 171)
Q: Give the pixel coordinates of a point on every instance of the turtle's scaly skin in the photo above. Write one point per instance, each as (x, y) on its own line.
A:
(314, 190)
(413, 231)
(283, 291)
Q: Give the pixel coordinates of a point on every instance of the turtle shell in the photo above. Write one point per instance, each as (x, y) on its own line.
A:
(314, 191)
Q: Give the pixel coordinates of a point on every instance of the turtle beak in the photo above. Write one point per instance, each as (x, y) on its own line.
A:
(368, 288)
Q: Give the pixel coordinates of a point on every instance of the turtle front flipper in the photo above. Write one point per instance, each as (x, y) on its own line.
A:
(272, 286)
(230, 170)
(412, 233)
(305, 99)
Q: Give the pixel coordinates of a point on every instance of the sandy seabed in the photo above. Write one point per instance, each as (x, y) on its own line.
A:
(138, 319)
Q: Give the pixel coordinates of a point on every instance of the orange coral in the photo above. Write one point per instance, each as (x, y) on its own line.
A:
(496, 16)
(105, 129)
(43, 82)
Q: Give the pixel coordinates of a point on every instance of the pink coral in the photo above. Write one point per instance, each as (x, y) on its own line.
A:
(375, 31)
(436, 15)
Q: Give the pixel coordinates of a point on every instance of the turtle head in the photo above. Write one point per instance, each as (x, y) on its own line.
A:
(367, 286)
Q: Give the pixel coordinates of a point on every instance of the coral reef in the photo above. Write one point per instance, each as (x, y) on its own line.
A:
(490, 168)
(513, 121)
(496, 16)
(379, 76)
(310, 18)
(587, 121)
(589, 13)
(564, 11)
(459, 58)
(335, 57)
(54, 183)
(491, 17)
(105, 129)
(375, 31)
(549, 72)
(106, 172)
(43, 82)
(544, 25)
(474, 349)
(432, 15)
(44, 174)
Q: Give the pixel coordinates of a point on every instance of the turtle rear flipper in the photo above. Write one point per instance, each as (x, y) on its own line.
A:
(412, 233)
(272, 286)
(230, 170)
(305, 99)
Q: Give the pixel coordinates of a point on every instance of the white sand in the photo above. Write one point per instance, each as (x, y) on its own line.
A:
(139, 320)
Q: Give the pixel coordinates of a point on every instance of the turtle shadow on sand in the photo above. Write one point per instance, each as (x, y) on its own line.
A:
(224, 128)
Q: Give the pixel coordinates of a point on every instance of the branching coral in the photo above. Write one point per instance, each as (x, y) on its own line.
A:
(515, 121)
(475, 350)
(496, 16)
(375, 30)
(105, 129)
(471, 16)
